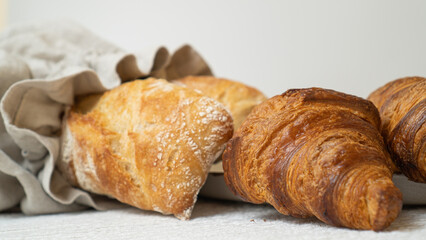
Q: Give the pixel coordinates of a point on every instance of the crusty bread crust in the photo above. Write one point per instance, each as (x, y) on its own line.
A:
(146, 143)
(237, 97)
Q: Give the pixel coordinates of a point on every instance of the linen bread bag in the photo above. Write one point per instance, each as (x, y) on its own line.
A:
(40, 79)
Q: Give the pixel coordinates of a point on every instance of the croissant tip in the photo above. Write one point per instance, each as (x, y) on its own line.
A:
(384, 206)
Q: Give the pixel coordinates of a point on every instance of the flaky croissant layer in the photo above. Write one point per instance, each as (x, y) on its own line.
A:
(402, 107)
(315, 152)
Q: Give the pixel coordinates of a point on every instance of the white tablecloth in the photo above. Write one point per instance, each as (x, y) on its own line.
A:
(210, 220)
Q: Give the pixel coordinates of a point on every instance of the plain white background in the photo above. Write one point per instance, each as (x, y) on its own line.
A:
(350, 46)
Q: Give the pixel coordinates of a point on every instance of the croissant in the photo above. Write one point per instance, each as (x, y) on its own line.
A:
(146, 143)
(237, 97)
(402, 107)
(315, 152)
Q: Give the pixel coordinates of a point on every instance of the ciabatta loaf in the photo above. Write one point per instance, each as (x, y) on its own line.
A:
(146, 143)
(237, 97)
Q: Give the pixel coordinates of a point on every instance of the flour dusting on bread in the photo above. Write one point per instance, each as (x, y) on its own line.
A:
(149, 144)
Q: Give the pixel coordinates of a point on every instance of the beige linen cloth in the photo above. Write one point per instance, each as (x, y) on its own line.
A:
(42, 67)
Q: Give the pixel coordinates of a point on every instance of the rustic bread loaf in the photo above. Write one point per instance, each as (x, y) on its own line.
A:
(237, 97)
(146, 143)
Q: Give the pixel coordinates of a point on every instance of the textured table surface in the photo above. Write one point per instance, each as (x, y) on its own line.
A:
(210, 220)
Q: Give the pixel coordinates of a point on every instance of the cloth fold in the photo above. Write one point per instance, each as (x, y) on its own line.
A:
(43, 67)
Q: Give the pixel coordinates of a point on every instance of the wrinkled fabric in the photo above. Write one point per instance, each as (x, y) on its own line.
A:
(43, 67)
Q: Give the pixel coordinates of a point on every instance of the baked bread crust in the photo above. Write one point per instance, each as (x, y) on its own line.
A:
(146, 143)
(402, 107)
(315, 152)
(237, 97)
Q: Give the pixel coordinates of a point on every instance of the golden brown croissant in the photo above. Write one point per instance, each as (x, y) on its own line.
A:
(146, 143)
(238, 98)
(402, 107)
(315, 152)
